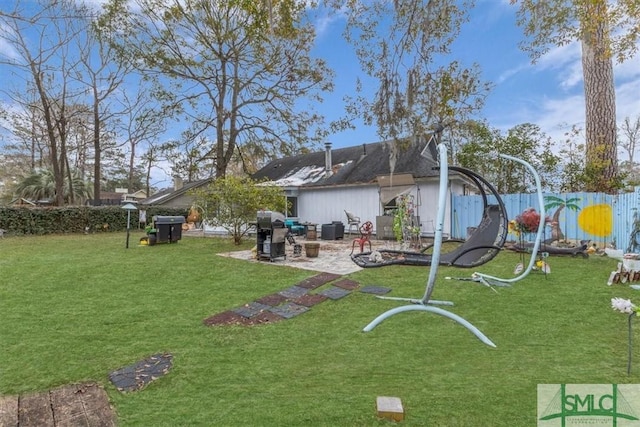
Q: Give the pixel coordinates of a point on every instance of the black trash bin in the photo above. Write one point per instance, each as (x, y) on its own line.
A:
(169, 228)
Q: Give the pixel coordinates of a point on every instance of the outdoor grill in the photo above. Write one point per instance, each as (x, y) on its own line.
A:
(271, 235)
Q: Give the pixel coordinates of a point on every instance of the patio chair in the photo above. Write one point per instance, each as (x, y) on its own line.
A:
(352, 220)
(294, 227)
(365, 237)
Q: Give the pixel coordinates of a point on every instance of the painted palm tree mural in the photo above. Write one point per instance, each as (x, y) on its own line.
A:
(554, 202)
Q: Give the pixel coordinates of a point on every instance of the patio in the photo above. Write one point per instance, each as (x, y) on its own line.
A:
(333, 256)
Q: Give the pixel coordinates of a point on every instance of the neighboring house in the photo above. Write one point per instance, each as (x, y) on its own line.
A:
(22, 202)
(322, 185)
(177, 196)
(134, 197)
(119, 197)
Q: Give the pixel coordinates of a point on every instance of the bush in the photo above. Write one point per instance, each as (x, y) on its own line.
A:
(77, 219)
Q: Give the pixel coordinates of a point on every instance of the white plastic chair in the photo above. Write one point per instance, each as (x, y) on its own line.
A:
(352, 220)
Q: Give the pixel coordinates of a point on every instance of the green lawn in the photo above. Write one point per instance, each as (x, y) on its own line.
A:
(74, 308)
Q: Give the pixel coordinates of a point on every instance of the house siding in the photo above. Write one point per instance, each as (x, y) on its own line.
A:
(182, 201)
(323, 206)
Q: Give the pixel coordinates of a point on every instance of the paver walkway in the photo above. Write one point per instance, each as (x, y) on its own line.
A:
(292, 301)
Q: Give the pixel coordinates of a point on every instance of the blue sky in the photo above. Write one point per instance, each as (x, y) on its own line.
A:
(548, 93)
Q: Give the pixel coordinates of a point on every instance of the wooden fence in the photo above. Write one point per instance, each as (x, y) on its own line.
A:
(601, 218)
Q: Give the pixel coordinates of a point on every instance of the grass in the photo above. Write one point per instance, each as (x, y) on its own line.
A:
(74, 308)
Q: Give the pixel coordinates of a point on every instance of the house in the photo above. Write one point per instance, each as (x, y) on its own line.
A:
(134, 197)
(177, 196)
(118, 197)
(22, 202)
(321, 186)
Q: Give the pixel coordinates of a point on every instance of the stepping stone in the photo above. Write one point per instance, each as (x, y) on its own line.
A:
(224, 318)
(289, 310)
(390, 408)
(69, 405)
(232, 318)
(347, 284)
(137, 376)
(272, 300)
(334, 292)
(310, 300)
(81, 405)
(293, 292)
(376, 290)
(263, 318)
(318, 280)
(252, 309)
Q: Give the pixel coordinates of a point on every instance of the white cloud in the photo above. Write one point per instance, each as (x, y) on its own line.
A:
(628, 69)
(560, 56)
(6, 49)
(506, 75)
(327, 18)
(627, 104)
(566, 63)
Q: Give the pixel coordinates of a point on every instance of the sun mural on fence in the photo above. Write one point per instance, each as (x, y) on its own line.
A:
(596, 220)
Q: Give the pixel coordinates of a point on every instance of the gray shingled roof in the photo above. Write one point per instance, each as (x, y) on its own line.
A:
(351, 165)
(167, 194)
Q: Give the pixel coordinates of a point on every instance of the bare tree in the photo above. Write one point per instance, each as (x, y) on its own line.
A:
(236, 69)
(631, 137)
(43, 57)
(101, 75)
(25, 137)
(628, 140)
(405, 45)
(140, 123)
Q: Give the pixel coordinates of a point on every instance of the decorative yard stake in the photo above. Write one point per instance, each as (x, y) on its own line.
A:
(128, 207)
(630, 344)
(626, 306)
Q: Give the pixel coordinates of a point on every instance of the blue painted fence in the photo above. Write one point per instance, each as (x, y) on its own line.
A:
(467, 212)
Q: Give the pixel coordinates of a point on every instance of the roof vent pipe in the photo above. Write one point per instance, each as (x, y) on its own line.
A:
(328, 165)
(177, 183)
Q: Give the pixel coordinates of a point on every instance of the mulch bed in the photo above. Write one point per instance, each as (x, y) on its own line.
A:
(310, 300)
(318, 280)
(231, 318)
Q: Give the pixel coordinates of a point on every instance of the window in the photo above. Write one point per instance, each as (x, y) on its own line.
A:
(292, 206)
